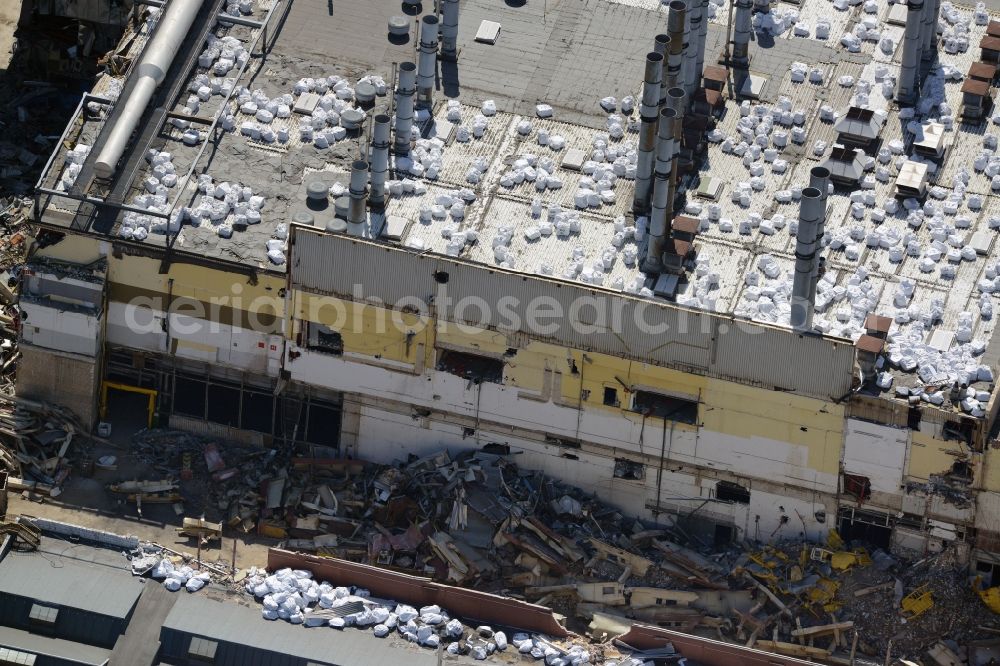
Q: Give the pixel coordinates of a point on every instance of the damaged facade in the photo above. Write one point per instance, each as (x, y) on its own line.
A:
(728, 428)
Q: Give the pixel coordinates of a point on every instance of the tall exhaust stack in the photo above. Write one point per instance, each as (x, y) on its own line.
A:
(932, 10)
(380, 160)
(741, 34)
(356, 214)
(702, 39)
(659, 218)
(675, 25)
(810, 215)
(819, 177)
(906, 88)
(428, 61)
(405, 91)
(677, 102)
(693, 38)
(647, 133)
(661, 45)
(174, 26)
(449, 30)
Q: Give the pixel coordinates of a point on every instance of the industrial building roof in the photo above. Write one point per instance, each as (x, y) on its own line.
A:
(66, 652)
(62, 573)
(570, 55)
(233, 623)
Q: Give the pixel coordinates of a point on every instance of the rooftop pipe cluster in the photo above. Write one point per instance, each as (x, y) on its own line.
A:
(919, 46)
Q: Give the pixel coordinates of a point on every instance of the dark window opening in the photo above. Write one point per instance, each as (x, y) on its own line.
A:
(611, 396)
(872, 528)
(961, 469)
(632, 471)
(723, 535)
(497, 449)
(323, 426)
(858, 487)
(441, 277)
(727, 491)
(961, 431)
(565, 443)
(189, 397)
(913, 418)
(665, 407)
(471, 366)
(607, 589)
(258, 411)
(468, 432)
(224, 405)
(665, 602)
(989, 572)
(324, 339)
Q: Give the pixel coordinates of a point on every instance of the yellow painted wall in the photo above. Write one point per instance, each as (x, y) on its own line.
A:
(72, 249)
(929, 455)
(991, 470)
(729, 408)
(366, 329)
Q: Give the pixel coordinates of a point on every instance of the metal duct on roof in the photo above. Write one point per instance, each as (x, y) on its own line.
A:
(659, 218)
(405, 91)
(810, 215)
(428, 60)
(661, 45)
(907, 87)
(819, 177)
(357, 214)
(449, 29)
(647, 132)
(675, 25)
(380, 160)
(741, 33)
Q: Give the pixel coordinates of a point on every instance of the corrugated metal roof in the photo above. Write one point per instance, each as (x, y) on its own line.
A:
(236, 624)
(692, 340)
(52, 577)
(67, 651)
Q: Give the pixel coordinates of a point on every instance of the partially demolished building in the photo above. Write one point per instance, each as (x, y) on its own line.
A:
(231, 229)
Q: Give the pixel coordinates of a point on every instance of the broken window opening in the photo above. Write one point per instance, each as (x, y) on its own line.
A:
(667, 407)
(857, 486)
(867, 526)
(913, 419)
(497, 449)
(961, 431)
(727, 491)
(961, 469)
(665, 602)
(471, 366)
(565, 443)
(631, 471)
(608, 589)
(324, 339)
(611, 396)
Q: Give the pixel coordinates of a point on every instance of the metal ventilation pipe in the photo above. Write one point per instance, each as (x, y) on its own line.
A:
(675, 25)
(647, 133)
(449, 30)
(702, 39)
(661, 45)
(428, 60)
(819, 177)
(380, 160)
(932, 10)
(810, 214)
(404, 107)
(356, 214)
(659, 218)
(677, 101)
(741, 33)
(906, 88)
(173, 27)
(691, 48)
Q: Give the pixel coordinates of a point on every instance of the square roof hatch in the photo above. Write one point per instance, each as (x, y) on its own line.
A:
(574, 159)
(709, 188)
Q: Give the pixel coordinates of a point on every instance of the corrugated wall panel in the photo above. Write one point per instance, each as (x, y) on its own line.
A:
(698, 341)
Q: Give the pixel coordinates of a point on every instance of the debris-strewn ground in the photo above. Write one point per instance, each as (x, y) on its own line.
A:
(477, 519)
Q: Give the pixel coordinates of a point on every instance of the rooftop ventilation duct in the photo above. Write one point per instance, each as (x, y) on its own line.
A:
(810, 217)
(659, 218)
(449, 30)
(149, 73)
(428, 60)
(678, 43)
(647, 132)
(676, 100)
(932, 9)
(661, 45)
(699, 69)
(696, 15)
(380, 160)
(356, 214)
(741, 33)
(404, 107)
(906, 89)
(819, 177)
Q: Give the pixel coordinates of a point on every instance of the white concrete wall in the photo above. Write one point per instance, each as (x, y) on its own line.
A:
(212, 342)
(60, 329)
(384, 436)
(776, 461)
(877, 452)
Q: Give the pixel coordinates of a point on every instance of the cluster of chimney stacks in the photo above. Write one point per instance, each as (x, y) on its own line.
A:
(919, 47)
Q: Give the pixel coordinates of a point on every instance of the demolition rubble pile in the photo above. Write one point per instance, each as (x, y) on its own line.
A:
(39, 443)
(478, 520)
